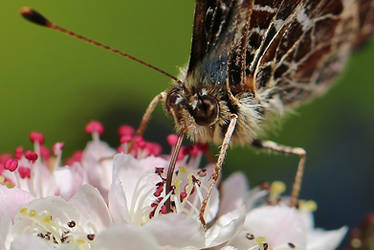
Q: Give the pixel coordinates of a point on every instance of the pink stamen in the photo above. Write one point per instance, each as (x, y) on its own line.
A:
(19, 153)
(57, 148)
(36, 137)
(183, 195)
(5, 157)
(203, 147)
(120, 149)
(163, 209)
(195, 151)
(76, 157)
(156, 149)
(11, 165)
(182, 154)
(94, 126)
(126, 130)
(44, 151)
(125, 139)
(159, 171)
(24, 172)
(172, 139)
(31, 156)
(158, 191)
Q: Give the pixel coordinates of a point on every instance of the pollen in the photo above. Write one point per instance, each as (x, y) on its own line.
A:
(23, 211)
(308, 206)
(32, 213)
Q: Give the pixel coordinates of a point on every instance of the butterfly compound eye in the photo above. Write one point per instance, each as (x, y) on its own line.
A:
(206, 110)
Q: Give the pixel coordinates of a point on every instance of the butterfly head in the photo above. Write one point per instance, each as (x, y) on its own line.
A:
(192, 108)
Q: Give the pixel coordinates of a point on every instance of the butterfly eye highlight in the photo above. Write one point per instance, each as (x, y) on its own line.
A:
(206, 111)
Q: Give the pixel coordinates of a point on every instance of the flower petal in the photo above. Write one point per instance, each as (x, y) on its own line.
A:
(327, 240)
(278, 224)
(30, 243)
(234, 190)
(12, 200)
(224, 228)
(176, 230)
(125, 236)
(92, 207)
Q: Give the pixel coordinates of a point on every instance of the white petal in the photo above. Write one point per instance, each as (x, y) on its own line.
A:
(326, 240)
(30, 243)
(229, 248)
(92, 207)
(124, 236)
(134, 182)
(176, 231)
(57, 207)
(118, 203)
(234, 190)
(5, 227)
(99, 171)
(224, 228)
(278, 224)
(12, 200)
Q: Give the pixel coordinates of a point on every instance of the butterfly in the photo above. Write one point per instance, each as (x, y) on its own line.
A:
(252, 61)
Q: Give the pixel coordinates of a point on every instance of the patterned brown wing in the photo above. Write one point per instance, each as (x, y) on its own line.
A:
(217, 27)
(309, 46)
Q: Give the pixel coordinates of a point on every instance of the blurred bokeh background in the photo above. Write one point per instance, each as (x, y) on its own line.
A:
(55, 84)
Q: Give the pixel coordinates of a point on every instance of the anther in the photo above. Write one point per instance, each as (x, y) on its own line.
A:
(90, 236)
(36, 137)
(31, 156)
(250, 236)
(11, 165)
(126, 130)
(71, 224)
(94, 126)
(57, 148)
(291, 245)
(172, 140)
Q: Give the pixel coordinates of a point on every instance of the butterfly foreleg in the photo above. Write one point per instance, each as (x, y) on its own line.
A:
(148, 113)
(271, 146)
(218, 168)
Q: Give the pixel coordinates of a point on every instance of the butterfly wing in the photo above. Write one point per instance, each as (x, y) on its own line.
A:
(311, 47)
(295, 48)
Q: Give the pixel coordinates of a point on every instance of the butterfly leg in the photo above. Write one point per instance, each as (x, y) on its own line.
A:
(271, 146)
(148, 112)
(217, 171)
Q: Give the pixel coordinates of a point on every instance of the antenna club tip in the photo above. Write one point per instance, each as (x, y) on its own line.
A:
(34, 17)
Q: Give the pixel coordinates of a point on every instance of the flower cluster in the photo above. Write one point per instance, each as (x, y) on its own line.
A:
(104, 198)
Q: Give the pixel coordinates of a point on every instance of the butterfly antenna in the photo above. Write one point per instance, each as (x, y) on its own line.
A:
(35, 17)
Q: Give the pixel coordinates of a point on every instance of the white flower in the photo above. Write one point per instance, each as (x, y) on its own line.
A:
(52, 222)
(125, 204)
(134, 199)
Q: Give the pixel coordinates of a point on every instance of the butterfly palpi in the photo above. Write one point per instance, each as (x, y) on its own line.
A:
(252, 61)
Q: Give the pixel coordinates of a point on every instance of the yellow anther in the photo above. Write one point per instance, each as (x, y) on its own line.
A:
(308, 206)
(277, 187)
(9, 185)
(47, 219)
(177, 182)
(2, 179)
(32, 213)
(23, 211)
(182, 170)
(260, 242)
(80, 241)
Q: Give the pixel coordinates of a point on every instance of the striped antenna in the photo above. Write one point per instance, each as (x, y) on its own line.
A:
(34, 17)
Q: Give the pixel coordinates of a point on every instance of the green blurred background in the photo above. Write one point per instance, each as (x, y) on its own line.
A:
(55, 84)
